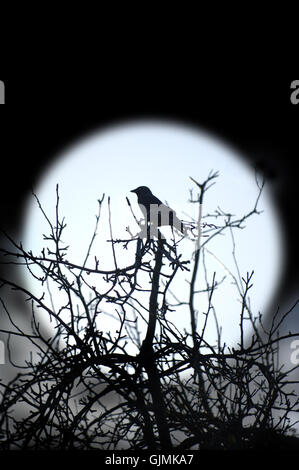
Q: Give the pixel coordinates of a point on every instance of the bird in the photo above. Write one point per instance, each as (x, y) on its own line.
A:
(154, 211)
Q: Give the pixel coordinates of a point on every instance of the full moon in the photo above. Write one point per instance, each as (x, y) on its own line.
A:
(163, 156)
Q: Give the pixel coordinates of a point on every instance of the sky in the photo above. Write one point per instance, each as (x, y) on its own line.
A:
(162, 155)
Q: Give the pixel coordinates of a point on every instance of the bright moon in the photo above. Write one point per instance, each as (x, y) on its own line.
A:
(162, 156)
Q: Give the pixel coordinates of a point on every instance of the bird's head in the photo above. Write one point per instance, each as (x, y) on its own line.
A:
(142, 191)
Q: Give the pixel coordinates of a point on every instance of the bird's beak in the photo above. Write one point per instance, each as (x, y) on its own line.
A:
(133, 191)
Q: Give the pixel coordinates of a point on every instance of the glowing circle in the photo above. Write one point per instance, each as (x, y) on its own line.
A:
(162, 156)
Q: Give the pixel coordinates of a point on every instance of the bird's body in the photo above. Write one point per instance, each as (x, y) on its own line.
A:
(154, 211)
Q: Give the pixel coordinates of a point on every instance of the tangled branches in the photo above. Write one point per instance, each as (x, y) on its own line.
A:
(88, 386)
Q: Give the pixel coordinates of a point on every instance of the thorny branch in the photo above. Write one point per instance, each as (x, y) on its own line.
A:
(85, 386)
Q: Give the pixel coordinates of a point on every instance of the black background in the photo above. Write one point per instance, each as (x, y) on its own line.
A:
(44, 113)
(254, 113)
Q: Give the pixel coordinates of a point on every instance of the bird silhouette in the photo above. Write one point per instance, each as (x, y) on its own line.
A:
(154, 211)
